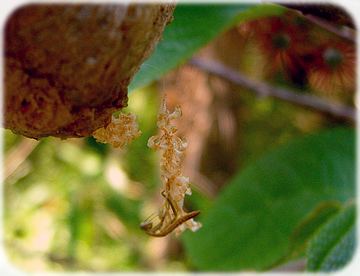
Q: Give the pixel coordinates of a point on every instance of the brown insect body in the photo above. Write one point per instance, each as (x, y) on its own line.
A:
(160, 231)
(171, 227)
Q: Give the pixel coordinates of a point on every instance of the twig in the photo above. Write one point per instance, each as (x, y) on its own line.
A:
(297, 265)
(263, 89)
(344, 32)
(18, 155)
(330, 17)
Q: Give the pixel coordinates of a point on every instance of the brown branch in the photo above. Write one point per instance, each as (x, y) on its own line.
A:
(342, 31)
(263, 89)
(330, 17)
(18, 155)
(293, 266)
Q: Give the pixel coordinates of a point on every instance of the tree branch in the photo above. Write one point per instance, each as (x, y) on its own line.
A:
(343, 32)
(263, 89)
(327, 16)
(18, 155)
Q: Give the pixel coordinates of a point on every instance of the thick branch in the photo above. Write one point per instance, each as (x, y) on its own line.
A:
(263, 89)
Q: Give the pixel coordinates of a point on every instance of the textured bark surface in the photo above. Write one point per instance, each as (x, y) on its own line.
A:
(68, 66)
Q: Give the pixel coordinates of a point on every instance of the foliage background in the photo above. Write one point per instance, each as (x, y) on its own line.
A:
(270, 178)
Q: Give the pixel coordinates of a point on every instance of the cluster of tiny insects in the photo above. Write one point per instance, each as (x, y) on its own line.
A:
(124, 129)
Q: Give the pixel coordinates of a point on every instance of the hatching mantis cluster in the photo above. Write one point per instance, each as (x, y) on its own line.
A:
(171, 148)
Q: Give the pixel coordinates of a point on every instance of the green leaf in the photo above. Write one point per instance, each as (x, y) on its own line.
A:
(334, 245)
(306, 229)
(193, 27)
(250, 224)
(309, 225)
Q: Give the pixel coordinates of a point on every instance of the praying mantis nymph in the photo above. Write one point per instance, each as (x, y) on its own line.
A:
(156, 232)
(160, 231)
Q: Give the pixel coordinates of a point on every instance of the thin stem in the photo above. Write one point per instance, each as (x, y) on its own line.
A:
(342, 31)
(263, 89)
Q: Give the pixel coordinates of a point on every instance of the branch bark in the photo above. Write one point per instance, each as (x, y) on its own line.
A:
(263, 89)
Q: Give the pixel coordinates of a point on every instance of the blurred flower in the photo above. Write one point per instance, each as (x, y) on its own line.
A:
(284, 41)
(333, 69)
